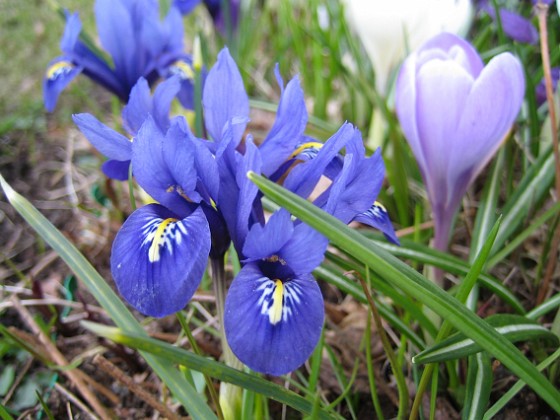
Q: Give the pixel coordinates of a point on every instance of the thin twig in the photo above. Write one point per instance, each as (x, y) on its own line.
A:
(542, 12)
(112, 370)
(57, 357)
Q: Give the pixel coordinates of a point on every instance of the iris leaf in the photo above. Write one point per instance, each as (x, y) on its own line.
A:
(181, 389)
(415, 285)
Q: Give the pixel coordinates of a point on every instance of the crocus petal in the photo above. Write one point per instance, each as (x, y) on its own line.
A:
(60, 72)
(271, 326)
(116, 169)
(514, 25)
(487, 115)
(224, 97)
(287, 131)
(109, 142)
(378, 218)
(158, 259)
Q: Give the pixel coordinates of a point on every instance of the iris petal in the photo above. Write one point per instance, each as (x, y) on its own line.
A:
(158, 260)
(378, 218)
(273, 326)
(60, 73)
(109, 142)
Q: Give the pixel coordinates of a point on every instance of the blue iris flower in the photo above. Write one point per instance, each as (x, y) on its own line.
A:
(274, 308)
(160, 254)
(118, 147)
(138, 43)
(216, 11)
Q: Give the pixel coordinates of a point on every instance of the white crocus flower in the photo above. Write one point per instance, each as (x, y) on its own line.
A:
(389, 30)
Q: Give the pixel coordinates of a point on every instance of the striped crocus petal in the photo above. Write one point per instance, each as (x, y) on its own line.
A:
(273, 325)
(158, 259)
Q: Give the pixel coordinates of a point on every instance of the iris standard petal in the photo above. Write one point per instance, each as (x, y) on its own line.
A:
(303, 178)
(287, 131)
(116, 32)
(109, 142)
(138, 107)
(186, 6)
(163, 96)
(158, 260)
(60, 72)
(263, 241)
(224, 97)
(116, 169)
(305, 250)
(71, 33)
(273, 326)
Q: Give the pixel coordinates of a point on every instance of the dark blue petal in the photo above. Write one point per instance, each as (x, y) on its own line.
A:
(157, 160)
(110, 143)
(59, 74)
(267, 240)
(158, 260)
(116, 169)
(224, 97)
(287, 131)
(305, 250)
(378, 218)
(163, 96)
(186, 6)
(304, 177)
(71, 33)
(138, 107)
(116, 32)
(273, 327)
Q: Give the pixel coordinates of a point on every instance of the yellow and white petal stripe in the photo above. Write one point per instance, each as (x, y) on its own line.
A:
(58, 68)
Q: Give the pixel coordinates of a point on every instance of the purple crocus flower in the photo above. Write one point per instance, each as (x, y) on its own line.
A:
(114, 145)
(540, 89)
(515, 26)
(139, 45)
(455, 113)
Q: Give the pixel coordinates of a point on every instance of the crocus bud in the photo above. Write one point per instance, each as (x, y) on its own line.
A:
(390, 29)
(455, 112)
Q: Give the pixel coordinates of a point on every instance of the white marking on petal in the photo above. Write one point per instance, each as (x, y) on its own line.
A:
(162, 233)
(278, 299)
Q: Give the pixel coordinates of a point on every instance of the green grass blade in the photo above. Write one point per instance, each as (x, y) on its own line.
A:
(4, 413)
(414, 284)
(118, 312)
(545, 307)
(207, 366)
(512, 392)
(451, 264)
(479, 386)
(531, 190)
(513, 327)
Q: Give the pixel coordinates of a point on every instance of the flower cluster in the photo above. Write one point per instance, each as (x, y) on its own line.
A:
(455, 112)
(274, 309)
(139, 45)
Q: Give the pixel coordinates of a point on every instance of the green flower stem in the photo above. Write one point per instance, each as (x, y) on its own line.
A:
(196, 349)
(230, 396)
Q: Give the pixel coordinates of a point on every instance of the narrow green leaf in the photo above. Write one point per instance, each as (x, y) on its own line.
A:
(528, 193)
(46, 408)
(513, 327)
(479, 386)
(414, 284)
(4, 413)
(449, 263)
(118, 312)
(512, 392)
(545, 307)
(202, 364)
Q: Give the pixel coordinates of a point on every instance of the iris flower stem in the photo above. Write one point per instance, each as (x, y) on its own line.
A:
(397, 371)
(230, 395)
(542, 12)
(196, 349)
